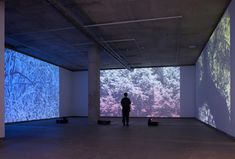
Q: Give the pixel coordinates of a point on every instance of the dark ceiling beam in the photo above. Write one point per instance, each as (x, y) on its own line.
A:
(73, 19)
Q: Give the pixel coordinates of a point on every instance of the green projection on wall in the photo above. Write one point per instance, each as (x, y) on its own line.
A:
(214, 75)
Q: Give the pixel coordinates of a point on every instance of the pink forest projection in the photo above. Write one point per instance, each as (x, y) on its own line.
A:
(154, 92)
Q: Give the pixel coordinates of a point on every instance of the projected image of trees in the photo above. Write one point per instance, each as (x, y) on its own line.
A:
(214, 72)
(219, 57)
(31, 88)
(154, 92)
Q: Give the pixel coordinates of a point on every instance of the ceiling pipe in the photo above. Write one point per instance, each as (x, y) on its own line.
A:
(106, 41)
(133, 21)
(73, 19)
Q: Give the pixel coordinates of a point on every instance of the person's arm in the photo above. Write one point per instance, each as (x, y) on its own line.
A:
(122, 102)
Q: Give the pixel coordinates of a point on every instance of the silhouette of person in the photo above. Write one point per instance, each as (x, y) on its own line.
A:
(126, 107)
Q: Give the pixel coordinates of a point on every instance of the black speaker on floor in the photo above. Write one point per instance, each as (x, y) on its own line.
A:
(151, 122)
(62, 120)
(103, 122)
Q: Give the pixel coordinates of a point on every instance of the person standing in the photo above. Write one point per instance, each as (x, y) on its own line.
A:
(126, 107)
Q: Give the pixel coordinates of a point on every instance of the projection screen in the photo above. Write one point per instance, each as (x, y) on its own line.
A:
(214, 75)
(154, 92)
(31, 88)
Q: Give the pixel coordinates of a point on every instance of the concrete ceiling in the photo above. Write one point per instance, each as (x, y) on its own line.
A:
(139, 33)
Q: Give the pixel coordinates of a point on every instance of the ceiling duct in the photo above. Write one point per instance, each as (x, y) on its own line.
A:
(73, 19)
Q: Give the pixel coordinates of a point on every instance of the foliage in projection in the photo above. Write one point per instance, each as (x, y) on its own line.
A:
(205, 115)
(214, 69)
(154, 92)
(219, 57)
(31, 88)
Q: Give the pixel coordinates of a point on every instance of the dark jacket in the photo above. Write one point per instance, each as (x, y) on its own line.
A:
(126, 104)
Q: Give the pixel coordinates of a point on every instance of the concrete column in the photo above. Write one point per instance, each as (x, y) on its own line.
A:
(2, 75)
(93, 84)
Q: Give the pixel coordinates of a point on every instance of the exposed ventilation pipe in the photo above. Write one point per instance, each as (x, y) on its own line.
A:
(73, 19)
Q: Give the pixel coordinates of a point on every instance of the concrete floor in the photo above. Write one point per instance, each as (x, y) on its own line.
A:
(172, 139)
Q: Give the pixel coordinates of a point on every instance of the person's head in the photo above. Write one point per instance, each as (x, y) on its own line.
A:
(125, 94)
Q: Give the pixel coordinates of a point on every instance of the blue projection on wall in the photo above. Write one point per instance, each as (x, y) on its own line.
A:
(31, 88)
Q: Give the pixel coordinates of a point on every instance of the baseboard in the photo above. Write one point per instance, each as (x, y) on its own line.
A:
(151, 117)
(77, 116)
(18, 122)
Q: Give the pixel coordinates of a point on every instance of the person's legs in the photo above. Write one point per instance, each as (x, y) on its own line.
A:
(127, 118)
(123, 118)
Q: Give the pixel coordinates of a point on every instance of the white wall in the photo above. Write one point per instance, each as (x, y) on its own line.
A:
(2, 77)
(187, 91)
(80, 93)
(66, 86)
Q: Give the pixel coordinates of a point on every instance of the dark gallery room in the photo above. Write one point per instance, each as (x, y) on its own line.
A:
(117, 79)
